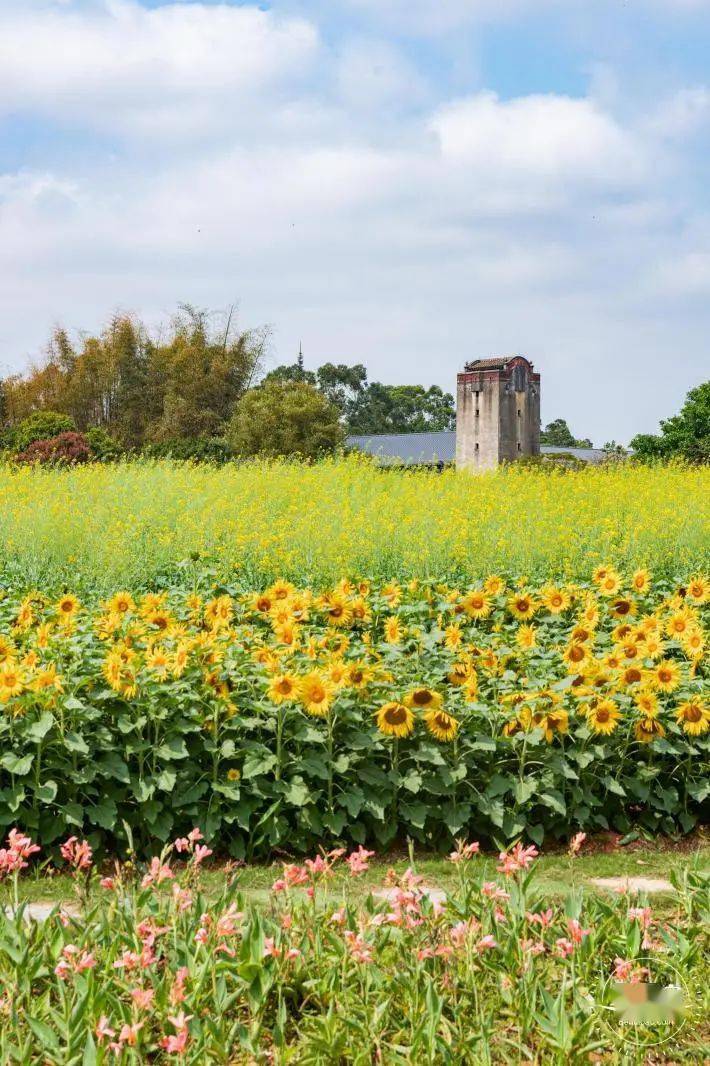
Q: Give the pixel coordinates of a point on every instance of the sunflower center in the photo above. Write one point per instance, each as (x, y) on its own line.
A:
(395, 715)
(692, 713)
(422, 697)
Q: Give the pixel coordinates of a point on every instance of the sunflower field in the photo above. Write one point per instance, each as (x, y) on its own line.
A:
(364, 712)
(99, 527)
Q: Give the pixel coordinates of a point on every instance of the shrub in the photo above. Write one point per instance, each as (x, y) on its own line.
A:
(284, 718)
(285, 418)
(102, 445)
(64, 449)
(199, 449)
(42, 425)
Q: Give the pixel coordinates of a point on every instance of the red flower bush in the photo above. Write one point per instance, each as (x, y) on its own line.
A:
(69, 448)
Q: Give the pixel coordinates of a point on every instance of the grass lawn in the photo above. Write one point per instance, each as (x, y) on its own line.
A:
(557, 873)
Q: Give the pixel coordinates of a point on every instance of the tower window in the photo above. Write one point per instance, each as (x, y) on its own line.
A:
(519, 448)
(519, 412)
(477, 413)
(475, 447)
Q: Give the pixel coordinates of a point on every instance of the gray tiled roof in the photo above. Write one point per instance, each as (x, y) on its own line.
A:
(430, 448)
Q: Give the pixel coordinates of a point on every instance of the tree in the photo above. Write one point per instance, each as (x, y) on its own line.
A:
(285, 418)
(43, 425)
(559, 435)
(686, 435)
(402, 409)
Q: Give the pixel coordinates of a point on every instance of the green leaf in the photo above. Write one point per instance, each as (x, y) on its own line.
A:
(46, 792)
(258, 764)
(39, 729)
(89, 1056)
(499, 784)
(524, 789)
(17, 764)
(297, 792)
(554, 799)
(76, 743)
(413, 781)
(613, 785)
(166, 780)
(104, 813)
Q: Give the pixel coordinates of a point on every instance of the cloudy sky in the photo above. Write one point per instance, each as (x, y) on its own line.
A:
(403, 183)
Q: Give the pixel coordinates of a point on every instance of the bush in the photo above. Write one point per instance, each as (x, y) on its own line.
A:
(285, 718)
(64, 449)
(102, 445)
(42, 425)
(285, 418)
(198, 449)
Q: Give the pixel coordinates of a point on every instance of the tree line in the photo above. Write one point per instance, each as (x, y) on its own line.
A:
(198, 388)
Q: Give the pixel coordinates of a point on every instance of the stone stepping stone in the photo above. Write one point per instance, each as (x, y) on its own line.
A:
(436, 895)
(40, 911)
(633, 884)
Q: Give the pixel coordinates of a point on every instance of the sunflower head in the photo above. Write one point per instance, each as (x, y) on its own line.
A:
(395, 720)
(423, 699)
(441, 725)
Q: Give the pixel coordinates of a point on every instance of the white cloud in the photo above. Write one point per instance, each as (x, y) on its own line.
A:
(682, 114)
(547, 139)
(117, 62)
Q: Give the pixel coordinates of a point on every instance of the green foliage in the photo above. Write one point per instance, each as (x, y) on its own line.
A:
(558, 434)
(42, 425)
(197, 449)
(686, 435)
(285, 418)
(102, 445)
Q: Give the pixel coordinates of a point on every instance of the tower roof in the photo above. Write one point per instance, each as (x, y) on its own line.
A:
(500, 362)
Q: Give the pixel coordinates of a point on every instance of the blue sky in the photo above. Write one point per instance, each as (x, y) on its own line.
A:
(404, 183)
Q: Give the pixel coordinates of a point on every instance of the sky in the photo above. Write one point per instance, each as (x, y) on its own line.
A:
(409, 184)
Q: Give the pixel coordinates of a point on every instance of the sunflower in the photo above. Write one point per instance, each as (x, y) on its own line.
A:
(470, 687)
(162, 620)
(282, 687)
(120, 603)
(555, 600)
(641, 581)
(395, 720)
(622, 607)
(526, 637)
(574, 655)
(337, 610)
(522, 606)
(47, 678)
(459, 673)
(610, 584)
(280, 590)
(262, 602)
(551, 722)
(600, 573)
(12, 680)
(337, 672)
(476, 604)
(360, 609)
(67, 607)
(453, 636)
(7, 649)
(494, 585)
(698, 589)
(392, 593)
(589, 615)
(513, 726)
(158, 662)
(180, 659)
(652, 647)
(441, 725)
(581, 634)
(359, 675)
(665, 675)
(424, 699)
(631, 675)
(630, 650)
(315, 691)
(680, 622)
(647, 703)
(647, 730)
(394, 630)
(288, 633)
(693, 643)
(694, 716)
(603, 717)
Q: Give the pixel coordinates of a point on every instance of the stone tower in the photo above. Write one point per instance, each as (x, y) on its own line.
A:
(497, 412)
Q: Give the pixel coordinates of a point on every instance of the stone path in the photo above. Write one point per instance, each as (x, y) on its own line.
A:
(633, 884)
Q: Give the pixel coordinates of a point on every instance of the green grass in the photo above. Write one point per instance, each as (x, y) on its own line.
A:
(557, 873)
